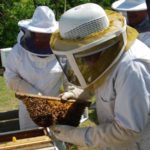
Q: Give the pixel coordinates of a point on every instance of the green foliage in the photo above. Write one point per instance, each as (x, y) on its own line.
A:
(11, 11)
(107, 3)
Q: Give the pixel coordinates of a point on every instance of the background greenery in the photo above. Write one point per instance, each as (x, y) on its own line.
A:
(11, 11)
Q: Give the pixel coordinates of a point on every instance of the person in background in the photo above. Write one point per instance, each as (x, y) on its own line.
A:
(136, 15)
(31, 67)
(106, 59)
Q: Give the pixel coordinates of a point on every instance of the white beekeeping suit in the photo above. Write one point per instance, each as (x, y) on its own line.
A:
(145, 38)
(135, 8)
(103, 53)
(30, 74)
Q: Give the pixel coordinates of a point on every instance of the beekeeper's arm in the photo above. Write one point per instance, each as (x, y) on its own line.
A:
(12, 76)
(131, 113)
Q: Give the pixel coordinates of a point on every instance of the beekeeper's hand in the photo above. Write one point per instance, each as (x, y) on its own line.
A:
(70, 134)
(67, 95)
(39, 93)
(75, 93)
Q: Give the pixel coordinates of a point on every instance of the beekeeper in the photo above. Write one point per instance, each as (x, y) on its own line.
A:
(103, 54)
(136, 15)
(31, 66)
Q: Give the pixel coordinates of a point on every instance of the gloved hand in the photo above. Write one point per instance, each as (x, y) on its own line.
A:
(69, 134)
(40, 94)
(72, 93)
(67, 95)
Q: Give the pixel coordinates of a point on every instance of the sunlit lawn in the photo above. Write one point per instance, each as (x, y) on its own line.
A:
(7, 98)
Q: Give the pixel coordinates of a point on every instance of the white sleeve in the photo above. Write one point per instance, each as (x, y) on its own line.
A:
(105, 135)
(12, 77)
(132, 102)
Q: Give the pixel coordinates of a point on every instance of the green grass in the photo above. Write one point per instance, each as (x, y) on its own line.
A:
(7, 97)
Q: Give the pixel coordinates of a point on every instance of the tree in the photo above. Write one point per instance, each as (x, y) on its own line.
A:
(10, 13)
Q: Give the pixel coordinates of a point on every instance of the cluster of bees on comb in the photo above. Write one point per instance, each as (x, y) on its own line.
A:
(47, 111)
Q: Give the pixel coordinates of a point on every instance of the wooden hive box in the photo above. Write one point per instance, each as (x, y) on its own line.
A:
(32, 139)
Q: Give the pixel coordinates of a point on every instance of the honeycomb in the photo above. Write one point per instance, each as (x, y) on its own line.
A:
(46, 111)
